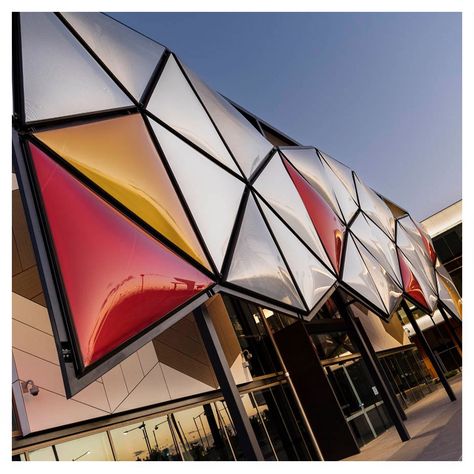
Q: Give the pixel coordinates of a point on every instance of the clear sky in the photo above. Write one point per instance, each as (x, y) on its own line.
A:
(380, 92)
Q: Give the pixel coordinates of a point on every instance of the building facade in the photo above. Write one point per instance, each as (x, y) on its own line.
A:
(188, 282)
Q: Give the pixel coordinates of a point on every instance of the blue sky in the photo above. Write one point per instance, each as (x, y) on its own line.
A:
(380, 92)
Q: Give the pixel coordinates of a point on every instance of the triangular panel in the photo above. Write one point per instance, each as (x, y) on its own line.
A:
(343, 172)
(356, 275)
(117, 278)
(257, 264)
(212, 194)
(328, 226)
(307, 162)
(247, 145)
(130, 56)
(174, 102)
(414, 284)
(412, 247)
(313, 279)
(388, 290)
(120, 157)
(60, 77)
(375, 208)
(446, 298)
(278, 190)
(378, 244)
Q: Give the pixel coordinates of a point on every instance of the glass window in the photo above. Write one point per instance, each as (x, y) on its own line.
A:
(44, 454)
(89, 448)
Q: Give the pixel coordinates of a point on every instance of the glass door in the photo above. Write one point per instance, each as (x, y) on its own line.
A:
(359, 399)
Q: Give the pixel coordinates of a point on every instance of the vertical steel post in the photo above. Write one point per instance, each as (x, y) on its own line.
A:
(245, 434)
(434, 361)
(376, 373)
(269, 331)
(451, 329)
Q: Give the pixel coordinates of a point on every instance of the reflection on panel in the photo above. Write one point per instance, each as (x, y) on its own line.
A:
(212, 194)
(329, 227)
(174, 102)
(247, 145)
(257, 264)
(356, 275)
(386, 287)
(59, 76)
(343, 172)
(314, 280)
(379, 245)
(128, 293)
(130, 56)
(119, 156)
(375, 208)
(277, 189)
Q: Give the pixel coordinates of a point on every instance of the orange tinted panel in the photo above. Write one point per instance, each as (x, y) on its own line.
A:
(119, 156)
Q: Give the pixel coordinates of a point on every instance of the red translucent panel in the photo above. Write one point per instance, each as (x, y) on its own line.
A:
(410, 283)
(429, 248)
(328, 226)
(118, 279)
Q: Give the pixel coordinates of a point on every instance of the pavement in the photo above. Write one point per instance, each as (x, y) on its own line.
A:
(435, 427)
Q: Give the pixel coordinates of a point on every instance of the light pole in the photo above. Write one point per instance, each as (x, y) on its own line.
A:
(156, 429)
(145, 435)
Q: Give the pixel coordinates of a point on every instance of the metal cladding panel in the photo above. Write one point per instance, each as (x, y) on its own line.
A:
(130, 56)
(328, 226)
(118, 279)
(257, 264)
(248, 146)
(212, 194)
(174, 102)
(60, 78)
(313, 279)
(120, 157)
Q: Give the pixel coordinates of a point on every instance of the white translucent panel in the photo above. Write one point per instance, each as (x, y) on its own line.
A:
(60, 77)
(174, 102)
(348, 207)
(378, 244)
(248, 146)
(388, 290)
(356, 275)
(130, 56)
(375, 208)
(414, 253)
(445, 297)
(307, 162)
(257, 264)
(343, 172)
(212, 194)
(277, 188)
(312, 277)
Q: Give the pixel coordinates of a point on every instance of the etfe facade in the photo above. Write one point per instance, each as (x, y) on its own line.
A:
(198, 279)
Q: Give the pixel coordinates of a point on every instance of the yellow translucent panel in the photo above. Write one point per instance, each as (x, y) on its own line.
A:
(119, 156)
(453, 293)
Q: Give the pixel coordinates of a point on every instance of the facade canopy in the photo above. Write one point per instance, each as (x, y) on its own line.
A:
(148, 192)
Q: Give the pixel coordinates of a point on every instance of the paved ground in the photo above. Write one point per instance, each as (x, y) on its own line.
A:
(435, 427)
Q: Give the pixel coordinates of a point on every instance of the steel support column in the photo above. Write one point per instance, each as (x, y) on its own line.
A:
(245, 434)
(363, 345)
(382, 371)
(428, 351)
(449, 324)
